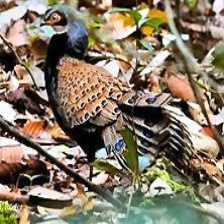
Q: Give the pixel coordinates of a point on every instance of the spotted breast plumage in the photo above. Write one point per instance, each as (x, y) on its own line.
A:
(93, 107)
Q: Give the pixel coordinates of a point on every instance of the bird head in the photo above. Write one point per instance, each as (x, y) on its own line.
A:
(59, 16)
(70, 32)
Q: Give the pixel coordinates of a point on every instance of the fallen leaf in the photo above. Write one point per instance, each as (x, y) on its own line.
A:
(158, 14)
(15, 161)
(20, 71)
(207, 131)
(147, 30)
(49, 198)
(7, 111)
(100, 179)
(25, 98)
(119, 26)
(157, 61)
(11, 15)
(38, 6)
(112, 66)
(179, 86)
(17, 35)
(38, 76)
(218, 6)
(58, 134)
(196, 113)
(34, 129)
(13, 83)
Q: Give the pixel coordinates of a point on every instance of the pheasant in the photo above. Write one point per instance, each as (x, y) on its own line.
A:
(92, 106)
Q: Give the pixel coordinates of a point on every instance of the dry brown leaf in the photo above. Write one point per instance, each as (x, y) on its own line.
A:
(119, 26)
(25, 98)
(179, 86)
(12, 154)
(83, 202)
(14, 161)
(20, 71)
(58, 134)
(100, 179)
(209, 167)
(38, 49)
(17, 35)
(34, 129)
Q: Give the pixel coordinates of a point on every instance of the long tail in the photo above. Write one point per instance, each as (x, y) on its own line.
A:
(159, 127)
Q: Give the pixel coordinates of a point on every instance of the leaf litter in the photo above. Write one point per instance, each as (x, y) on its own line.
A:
(138, 35)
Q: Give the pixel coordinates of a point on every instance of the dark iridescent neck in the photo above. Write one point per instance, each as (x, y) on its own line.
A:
(73, 43)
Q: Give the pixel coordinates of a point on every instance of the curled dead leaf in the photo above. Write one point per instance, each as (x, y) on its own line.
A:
(179, 86)
(58, 134)
(14, 161)
(25, 98)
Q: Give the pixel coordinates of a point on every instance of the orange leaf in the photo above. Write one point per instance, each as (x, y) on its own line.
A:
(34, 128)
(179, 86)
(147, 30)
(158, 14)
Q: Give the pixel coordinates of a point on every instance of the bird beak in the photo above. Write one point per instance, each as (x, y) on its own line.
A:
(43, 23)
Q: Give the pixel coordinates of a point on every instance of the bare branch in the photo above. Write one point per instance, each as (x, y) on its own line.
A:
(26, 141)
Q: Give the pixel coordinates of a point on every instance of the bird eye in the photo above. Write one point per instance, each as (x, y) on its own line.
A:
(55, 16)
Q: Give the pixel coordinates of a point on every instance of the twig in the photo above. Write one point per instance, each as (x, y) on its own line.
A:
(191, 66)
(109, 57)
(20, 61)
(13, 197)
(26, 141)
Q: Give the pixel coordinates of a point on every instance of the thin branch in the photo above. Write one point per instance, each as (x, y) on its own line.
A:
(19, 60)
(13, 197)
(191, 67)
(26, 141)
(108, 57)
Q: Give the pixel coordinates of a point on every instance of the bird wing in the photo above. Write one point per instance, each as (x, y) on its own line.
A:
(88, 93)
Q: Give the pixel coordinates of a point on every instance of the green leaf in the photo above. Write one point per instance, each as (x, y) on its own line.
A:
(218, 55)
(52, 2)
(133, 13)
(155, 172)
(107, 167)
(191, 3)
(131, 154)
(154, 22)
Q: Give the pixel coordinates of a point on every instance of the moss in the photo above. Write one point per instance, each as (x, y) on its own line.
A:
(7, 214)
